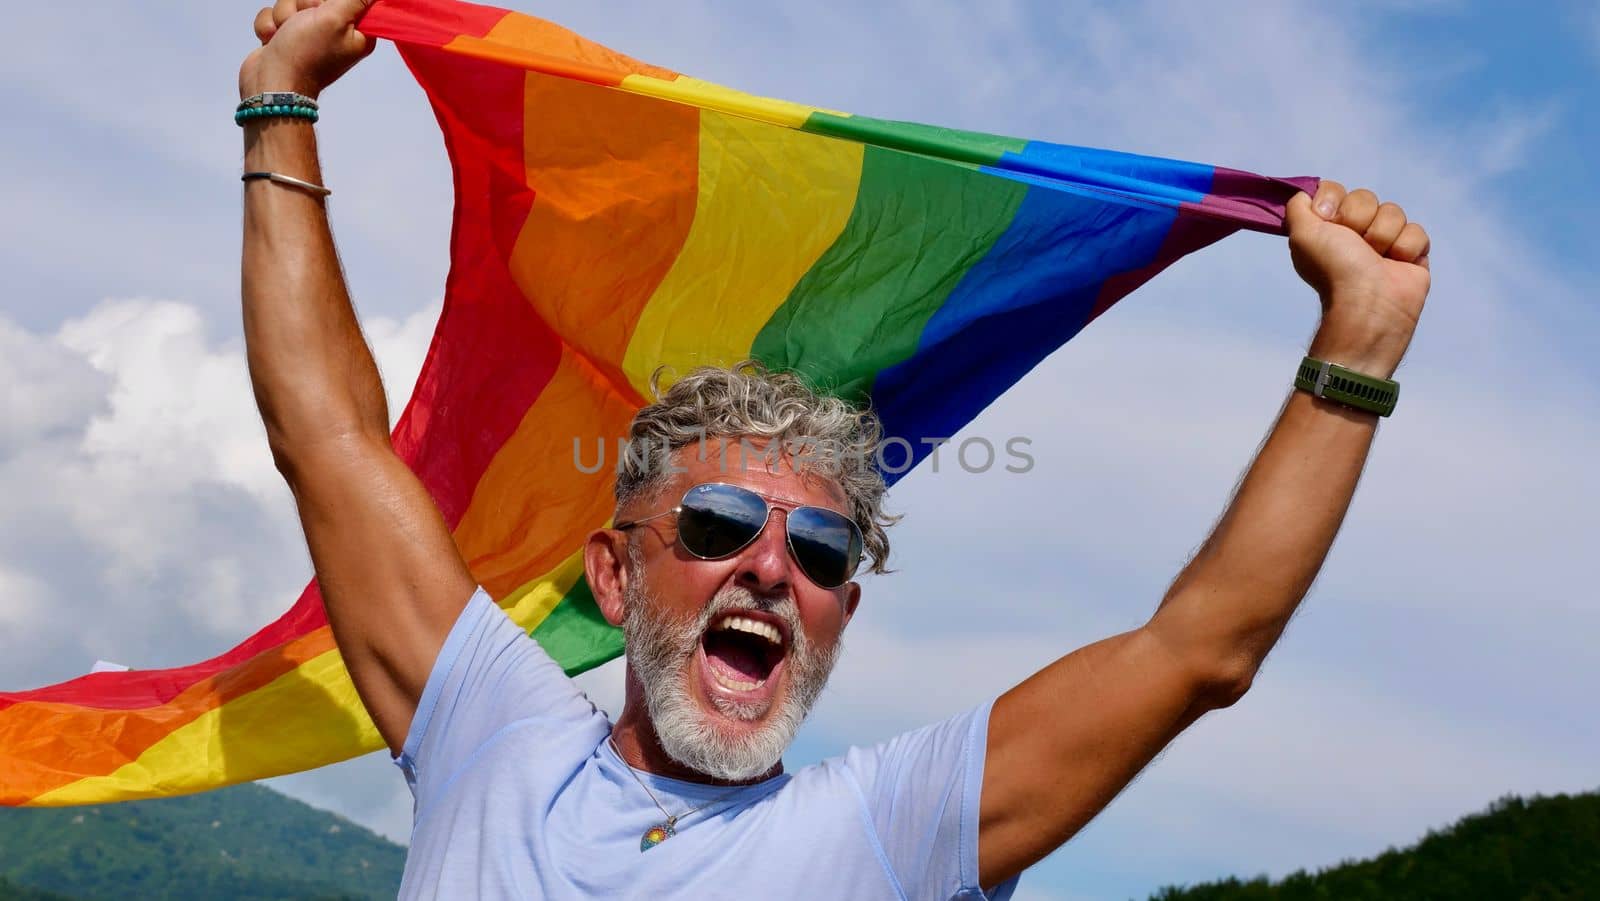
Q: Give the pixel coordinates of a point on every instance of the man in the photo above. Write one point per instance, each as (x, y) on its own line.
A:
(730, 570)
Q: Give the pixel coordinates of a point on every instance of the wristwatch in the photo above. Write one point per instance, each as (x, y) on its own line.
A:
(1346, 386)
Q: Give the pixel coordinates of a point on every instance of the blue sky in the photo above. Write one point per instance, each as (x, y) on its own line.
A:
(1445, 656)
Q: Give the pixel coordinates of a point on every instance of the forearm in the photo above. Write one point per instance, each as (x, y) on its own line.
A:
(1233, 600)
(1369, 266)
(314, 377)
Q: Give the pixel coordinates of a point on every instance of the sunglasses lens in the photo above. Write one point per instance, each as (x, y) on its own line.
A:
(825, 544)
(718, 520)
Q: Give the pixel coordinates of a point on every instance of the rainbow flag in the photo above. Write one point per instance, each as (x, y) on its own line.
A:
(611, 217)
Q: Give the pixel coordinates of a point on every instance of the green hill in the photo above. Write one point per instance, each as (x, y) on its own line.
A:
(1543, 848)
(246, 842)
(12, 892)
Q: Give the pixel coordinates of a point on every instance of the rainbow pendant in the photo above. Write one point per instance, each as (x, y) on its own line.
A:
(655, 835)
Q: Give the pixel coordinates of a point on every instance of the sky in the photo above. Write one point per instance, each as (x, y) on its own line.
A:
(1446, 655)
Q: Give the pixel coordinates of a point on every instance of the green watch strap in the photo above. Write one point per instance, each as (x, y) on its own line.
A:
(1348, 387)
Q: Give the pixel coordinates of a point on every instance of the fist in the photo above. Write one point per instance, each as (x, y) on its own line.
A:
(1369, 266)
(305, 46)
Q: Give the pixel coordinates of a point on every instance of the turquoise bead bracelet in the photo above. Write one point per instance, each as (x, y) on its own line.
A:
(280, 104)
(264, 112)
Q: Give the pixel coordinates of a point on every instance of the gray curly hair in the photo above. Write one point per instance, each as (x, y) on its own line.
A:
(822, 434)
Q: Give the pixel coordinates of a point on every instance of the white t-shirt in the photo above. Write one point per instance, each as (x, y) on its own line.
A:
(519, 795)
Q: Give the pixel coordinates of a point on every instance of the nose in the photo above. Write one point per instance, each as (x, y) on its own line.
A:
(763, 565)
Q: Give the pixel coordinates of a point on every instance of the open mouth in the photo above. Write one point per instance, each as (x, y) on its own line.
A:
(743, 652)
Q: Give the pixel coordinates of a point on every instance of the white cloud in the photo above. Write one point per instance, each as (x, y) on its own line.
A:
(22, 598)
(400, 347)
(1508, 137)
(39, 409)
(141, 497)
(174, 401)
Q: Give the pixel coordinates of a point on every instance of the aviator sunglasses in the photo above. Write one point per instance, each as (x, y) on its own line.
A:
(717, 520)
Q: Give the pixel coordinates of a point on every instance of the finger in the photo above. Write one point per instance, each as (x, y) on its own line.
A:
(301, 5)
(1329, 195)
(1386, 226)
(264, 25)
(1412, 245)
(349, 10)
(1357, 210)
(282, 10)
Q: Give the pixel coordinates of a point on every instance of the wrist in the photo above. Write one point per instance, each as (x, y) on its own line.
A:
(266, 79)
(1364, 344)
(1364, 360)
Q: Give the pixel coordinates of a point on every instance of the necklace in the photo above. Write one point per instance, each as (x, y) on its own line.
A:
(667, 828)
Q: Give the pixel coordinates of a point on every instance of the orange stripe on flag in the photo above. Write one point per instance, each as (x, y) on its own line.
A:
(478, 48)
(99, 742)
(252, 736)
(530, 43)
(614, 180)
(534, 506)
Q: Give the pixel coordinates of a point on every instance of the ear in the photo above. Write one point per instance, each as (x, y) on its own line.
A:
(852, 599)
(605, 564)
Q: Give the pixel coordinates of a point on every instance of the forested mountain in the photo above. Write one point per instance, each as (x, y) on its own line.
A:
(1543, 848)
(12, 892)
(247, 842)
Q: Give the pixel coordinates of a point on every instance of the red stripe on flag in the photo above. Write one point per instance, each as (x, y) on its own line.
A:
(425, 23)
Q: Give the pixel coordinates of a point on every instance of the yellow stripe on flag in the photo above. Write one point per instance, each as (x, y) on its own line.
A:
(715, 97)
(770, 202)
(530, 604)
(243, 739)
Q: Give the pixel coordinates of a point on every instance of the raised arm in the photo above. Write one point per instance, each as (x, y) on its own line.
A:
(391, 577)
(1066, 741)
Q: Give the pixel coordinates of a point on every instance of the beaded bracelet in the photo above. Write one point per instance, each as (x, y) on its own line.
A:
(285, 104)
(240, 117)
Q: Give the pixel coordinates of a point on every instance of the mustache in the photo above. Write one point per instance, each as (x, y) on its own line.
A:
(737, 597)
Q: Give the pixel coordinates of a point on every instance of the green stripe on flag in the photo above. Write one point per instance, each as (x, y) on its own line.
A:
(576, 634)
(972, 148)
(918, 225)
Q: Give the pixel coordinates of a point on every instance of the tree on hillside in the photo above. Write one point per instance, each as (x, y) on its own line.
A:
(1541, 849)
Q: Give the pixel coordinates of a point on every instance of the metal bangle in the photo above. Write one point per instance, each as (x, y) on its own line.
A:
(289, 180)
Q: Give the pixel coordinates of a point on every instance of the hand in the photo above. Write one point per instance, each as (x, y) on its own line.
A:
(305, 46)
(1370, 268)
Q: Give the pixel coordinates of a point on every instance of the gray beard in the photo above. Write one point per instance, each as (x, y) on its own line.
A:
(659, 652)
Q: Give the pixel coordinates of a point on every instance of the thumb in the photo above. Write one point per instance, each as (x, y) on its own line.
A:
(348, 11)
(1298, 213)
(349, 14)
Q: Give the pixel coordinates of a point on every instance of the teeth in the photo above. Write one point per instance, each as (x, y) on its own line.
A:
(735, 684)
(753, 627)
